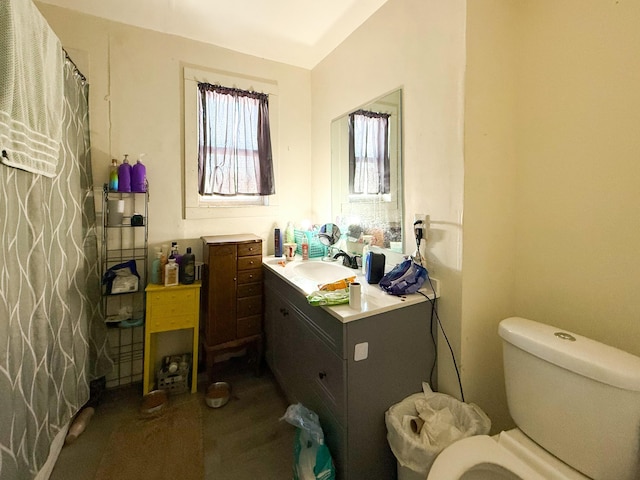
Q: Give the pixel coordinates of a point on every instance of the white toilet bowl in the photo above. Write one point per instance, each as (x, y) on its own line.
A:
(508, 456)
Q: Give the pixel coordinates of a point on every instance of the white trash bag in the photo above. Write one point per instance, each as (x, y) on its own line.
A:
(422, 425)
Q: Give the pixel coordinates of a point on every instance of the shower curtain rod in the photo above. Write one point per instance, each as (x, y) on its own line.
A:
(75, 67)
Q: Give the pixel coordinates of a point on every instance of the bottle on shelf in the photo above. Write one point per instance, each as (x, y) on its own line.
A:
(366, 240)
(188, 268)
(124, 175)
(139, 176)
(277, 242)
(305, 247)
(156, 277)
(175, 252)
(171, 273)
(163, 263)
(113, 175)
(289, 233)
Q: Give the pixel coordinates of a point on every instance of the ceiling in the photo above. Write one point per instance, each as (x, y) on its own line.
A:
(296, 32)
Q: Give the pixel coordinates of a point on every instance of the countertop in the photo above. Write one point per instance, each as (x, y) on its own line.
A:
(374, 299)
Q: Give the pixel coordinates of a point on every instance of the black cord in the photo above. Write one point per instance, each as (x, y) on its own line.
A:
(434, 312)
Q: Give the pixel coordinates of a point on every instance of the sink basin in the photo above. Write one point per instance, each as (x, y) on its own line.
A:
(321, 272)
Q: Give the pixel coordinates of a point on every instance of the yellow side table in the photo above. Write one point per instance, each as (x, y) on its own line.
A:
(170, 308)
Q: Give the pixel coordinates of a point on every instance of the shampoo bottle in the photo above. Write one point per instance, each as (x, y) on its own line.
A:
(139, 176)
(289, 233)
(113, 175)
(277, 242)
(163, 262)
(124, 176)
(188, 268)
(155, 267)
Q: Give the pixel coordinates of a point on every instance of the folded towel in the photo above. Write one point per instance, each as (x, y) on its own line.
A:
(31, 89)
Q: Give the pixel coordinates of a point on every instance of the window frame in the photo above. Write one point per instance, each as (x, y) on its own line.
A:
(196, 206)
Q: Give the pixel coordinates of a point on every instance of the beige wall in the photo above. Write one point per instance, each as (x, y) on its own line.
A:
(417, 45)
(551, 176)
(489, 199)
(136, 98)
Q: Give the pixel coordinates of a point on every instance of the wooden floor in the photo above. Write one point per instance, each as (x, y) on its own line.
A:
(244, 440)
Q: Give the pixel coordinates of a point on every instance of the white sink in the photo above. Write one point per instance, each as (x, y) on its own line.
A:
(321, 272)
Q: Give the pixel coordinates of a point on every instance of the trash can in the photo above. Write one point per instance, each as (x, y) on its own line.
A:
(423, 424)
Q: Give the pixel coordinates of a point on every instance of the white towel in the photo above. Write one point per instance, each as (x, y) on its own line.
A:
(31, 89)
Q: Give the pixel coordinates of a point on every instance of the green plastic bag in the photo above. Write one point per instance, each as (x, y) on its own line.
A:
(322, 297)
(312, 459)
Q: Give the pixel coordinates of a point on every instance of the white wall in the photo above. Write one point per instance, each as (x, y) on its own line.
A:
(136, 96)
(417, 45)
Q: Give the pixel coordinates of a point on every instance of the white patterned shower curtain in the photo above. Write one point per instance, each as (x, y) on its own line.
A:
(52, 337)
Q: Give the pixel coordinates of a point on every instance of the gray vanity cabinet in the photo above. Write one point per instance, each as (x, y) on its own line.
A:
(311, 354)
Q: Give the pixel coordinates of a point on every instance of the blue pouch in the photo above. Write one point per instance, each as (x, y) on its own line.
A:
(405, 278)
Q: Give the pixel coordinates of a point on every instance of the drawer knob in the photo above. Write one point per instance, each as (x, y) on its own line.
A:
(322, 375)
(284, 312)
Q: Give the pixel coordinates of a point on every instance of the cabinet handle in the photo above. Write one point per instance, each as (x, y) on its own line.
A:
(284, 312)
(322, 375)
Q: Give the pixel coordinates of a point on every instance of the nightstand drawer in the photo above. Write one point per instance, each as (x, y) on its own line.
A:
(248, 263)
(250, 276)
(249, 306)
(172, 299)
(249, 290)
(161, 323)
(249, 326)
(246, 249)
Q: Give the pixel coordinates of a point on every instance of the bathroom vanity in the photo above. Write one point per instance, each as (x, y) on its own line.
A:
(348, 365)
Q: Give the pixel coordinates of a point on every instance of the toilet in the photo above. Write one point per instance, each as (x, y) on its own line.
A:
(576, 404)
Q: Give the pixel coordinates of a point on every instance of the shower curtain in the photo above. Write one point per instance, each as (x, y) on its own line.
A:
(52, 337)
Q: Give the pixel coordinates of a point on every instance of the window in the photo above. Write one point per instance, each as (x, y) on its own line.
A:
(211, 205)
(234, 142)
(369, 172)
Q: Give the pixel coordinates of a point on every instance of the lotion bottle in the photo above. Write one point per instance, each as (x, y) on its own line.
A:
(124, 175)
(171, 273)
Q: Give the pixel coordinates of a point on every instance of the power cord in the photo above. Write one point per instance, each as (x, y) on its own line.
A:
(435, 312)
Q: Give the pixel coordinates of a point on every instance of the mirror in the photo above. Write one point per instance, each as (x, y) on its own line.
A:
(366, 174)
(329, 235)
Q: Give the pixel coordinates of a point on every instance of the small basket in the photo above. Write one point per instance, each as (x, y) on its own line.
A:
(174, 382)
(316, 249)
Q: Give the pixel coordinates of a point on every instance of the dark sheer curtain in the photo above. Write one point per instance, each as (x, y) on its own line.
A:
(234, 142)
(369, 153)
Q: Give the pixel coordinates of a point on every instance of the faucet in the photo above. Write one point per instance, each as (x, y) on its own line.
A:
(347, 260)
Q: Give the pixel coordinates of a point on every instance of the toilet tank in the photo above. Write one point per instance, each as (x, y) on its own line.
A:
(575, 397)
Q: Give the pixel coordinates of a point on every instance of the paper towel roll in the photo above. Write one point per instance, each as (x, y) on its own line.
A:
(355, 295)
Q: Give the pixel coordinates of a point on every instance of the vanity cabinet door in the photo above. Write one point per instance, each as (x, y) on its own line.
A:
(220, 324)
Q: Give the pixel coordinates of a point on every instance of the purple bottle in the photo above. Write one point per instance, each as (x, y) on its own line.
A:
(124, 176)
(139, 177)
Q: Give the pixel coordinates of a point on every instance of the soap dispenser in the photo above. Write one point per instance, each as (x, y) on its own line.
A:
(139, 176)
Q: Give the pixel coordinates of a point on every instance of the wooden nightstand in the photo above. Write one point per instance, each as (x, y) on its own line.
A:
(170, 308)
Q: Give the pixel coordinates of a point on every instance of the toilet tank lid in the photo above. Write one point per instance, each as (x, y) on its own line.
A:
(582, 356)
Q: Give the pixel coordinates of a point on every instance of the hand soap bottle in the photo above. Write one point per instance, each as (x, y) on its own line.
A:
(124, 175)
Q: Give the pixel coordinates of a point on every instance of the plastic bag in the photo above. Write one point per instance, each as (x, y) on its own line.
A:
(335, 297)
(312, 459)
(441, 419)
(121, 278)
(406, 277)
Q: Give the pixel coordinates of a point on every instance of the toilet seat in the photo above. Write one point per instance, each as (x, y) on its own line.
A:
(509, 456)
